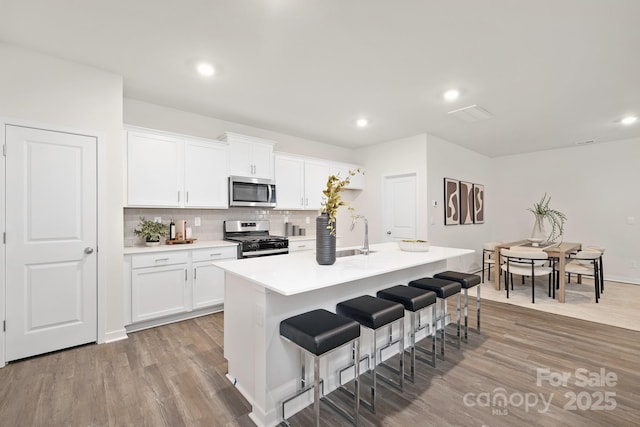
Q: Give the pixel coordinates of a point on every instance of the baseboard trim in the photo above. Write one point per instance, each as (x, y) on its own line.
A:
(173, 318)
(114, 336)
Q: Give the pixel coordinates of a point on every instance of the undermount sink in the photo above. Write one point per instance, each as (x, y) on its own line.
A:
(350, 252)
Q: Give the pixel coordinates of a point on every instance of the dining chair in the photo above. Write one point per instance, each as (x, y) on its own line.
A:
(586, 263)
(600, 249)
(488, 258)
(525, 263)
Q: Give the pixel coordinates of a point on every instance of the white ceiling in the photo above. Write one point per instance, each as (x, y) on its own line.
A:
(552, 72)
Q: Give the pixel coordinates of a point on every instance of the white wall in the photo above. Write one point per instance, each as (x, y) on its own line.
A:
(408, 155)
(593, 185)
(51, 91)
(447, 160)
(143, 114)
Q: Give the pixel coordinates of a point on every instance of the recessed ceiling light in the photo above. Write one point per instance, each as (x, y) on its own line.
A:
(205, 69)
(628, 120)
(451, 95)
(361, 123)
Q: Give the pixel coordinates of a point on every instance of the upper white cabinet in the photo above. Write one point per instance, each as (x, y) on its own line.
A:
(316, 174)
(289, 175)
(356, 182)
(165, 170)
(205, 175)
(154, 170)
(249, 156)
(301, 180)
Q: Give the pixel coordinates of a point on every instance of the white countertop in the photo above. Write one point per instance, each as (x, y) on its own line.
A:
(299, 272)
(179, 247)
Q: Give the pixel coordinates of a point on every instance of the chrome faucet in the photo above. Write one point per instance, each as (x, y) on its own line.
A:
(365, 243)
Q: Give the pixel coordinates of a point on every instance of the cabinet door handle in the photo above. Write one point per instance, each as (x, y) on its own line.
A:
(216, 254)
(302, 246)
(195, 273)
(306, 201)
(178, 196)
(162, 259)
(187, 201)
(185, 276)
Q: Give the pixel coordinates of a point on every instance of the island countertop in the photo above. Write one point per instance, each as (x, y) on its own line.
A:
(283, 274)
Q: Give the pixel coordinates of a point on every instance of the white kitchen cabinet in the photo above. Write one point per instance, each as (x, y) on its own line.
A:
(208, 280)
(159, 285)
(289, 175)
(154, 170)
(342, 170)
(165, 170)
(302, 245)
(301, 180)
(249, 156)
(205, 175)
(168, 285)
(316, 174)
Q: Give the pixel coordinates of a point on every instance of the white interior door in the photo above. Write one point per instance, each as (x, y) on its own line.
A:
(400, 216)
(51, 226)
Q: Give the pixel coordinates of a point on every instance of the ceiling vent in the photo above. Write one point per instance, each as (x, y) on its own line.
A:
(472, 113)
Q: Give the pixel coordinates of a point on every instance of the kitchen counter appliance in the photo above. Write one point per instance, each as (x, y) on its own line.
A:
(255, 192)
(253, 238)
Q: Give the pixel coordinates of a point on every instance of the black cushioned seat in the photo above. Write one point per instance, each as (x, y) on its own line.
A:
(413, 299)
(466, 280)
(370, 312)
(319, 331)
(443, 288)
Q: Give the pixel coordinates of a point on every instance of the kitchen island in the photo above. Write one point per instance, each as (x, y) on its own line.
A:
(261, 292)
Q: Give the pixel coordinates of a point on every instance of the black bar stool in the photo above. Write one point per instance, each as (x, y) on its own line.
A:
(317, 333)
(414, 301)
(374, 313)
(443, 289)
(466, 281)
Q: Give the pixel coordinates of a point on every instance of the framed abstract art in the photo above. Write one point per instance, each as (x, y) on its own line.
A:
(451, 202)
(466, 202)
(478, 204)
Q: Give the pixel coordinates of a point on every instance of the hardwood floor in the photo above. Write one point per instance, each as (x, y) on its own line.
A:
(174, 375)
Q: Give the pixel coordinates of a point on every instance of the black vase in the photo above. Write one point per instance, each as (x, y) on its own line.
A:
(325, 242)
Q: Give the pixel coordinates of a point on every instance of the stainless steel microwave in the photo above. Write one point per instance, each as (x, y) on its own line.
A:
(246, 191)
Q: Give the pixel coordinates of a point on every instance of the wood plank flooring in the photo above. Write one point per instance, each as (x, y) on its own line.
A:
(174, 375)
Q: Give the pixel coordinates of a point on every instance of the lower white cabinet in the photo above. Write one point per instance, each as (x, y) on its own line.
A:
(170, 283)
(302, 245)
(159, 291)
(208, 280)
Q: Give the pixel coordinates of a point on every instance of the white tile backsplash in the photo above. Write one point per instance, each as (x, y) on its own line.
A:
(212, 220)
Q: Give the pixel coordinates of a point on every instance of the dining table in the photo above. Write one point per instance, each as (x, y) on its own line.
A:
(560, 251)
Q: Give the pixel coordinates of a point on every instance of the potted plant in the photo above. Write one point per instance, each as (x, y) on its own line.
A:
(326, 221)
(151, 231)
(556, 218)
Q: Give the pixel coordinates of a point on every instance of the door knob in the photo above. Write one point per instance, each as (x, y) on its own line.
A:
(88, 251)
(389, 233)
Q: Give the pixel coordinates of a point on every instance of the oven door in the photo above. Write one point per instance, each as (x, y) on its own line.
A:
(265, 252)
(251, 192)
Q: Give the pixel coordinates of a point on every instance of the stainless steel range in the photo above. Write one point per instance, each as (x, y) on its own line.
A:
(254, 239)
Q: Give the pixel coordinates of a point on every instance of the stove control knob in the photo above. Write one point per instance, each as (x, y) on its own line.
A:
(254, 246)
(279, 244)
